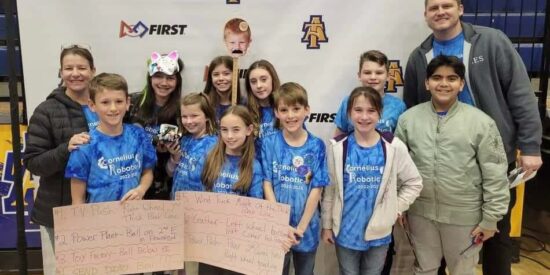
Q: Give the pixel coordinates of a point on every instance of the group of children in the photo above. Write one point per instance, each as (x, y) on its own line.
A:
(365, 181)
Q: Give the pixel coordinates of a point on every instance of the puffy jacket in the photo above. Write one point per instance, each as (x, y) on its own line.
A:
(462, 162)
(51, 126)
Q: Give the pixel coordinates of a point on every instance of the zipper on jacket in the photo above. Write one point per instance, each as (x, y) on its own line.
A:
(436, 156)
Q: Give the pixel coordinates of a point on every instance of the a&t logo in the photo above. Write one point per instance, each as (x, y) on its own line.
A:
(314, 32)
(395, 78)
(140, 29)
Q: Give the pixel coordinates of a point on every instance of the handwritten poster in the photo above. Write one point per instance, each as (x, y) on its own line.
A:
(115, 238)
(233, 232)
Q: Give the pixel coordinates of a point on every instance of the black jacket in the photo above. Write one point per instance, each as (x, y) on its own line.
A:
(51, 126)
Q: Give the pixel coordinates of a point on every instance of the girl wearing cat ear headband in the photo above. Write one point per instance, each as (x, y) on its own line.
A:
(156, 104)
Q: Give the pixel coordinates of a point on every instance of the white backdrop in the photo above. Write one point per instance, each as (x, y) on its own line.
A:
(328, 73)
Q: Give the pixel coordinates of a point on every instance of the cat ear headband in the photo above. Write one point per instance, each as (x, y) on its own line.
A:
(167, 64)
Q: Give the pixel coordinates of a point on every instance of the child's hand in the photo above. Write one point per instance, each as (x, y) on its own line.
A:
(327, 236)
(77, 140)
(174, 149)
(484, 234)
(133, 194)
(402, 220)
(292, 239)
(161, 147)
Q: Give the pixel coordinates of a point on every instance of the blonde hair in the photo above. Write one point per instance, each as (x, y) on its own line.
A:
(206, 108)
(217, 157)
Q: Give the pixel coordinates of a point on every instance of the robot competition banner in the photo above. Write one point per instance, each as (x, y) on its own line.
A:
(314, 43)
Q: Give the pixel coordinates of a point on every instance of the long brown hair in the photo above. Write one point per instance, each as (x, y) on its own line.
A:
(217, 156)
(253, 104)
(206, 108)
(209, 88)
(146, 103)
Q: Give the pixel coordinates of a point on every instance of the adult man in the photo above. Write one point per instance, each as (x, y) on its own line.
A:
(497, 83)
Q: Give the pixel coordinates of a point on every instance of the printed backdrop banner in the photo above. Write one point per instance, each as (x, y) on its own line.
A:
(8, 221)
(314, 43)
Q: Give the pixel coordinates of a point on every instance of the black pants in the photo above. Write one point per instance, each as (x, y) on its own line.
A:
(497, 251)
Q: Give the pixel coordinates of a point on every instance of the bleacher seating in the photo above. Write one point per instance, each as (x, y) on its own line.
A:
(521, 20)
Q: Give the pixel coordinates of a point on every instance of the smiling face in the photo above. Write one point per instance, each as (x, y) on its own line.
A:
(443, 17)
(76, 73)
(444, 85)
(110, 106)
(234, 133)
(364, 115)
(221, 79)
(373, 75)
(193, 119)
(163, 85)
(291, 117)
(261, 84)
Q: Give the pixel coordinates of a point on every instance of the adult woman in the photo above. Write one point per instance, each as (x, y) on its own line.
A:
(57, 127)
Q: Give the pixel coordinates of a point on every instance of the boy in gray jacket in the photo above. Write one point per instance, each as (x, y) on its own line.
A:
(459, 153)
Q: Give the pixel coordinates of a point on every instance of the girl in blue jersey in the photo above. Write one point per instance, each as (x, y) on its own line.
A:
(374, 73)
(117, 163)
(261, 81)
(218, 84)
(231, 166)
(198, 124)
(295, 172)
(158, 104)
(376, 181)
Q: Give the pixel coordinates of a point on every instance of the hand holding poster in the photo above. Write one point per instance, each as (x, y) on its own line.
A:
(233, 232)
(115, 238)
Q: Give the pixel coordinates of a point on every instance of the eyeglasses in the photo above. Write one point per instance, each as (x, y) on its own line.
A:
(76, 46)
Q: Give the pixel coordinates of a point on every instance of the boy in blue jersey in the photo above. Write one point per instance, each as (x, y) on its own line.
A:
(373, 72)
(117, 163)
(295, 172)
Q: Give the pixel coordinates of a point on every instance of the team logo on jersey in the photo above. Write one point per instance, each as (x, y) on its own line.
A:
(232, 2)
(140, 29)
(102, 163)
(314, 32)
(395, 78)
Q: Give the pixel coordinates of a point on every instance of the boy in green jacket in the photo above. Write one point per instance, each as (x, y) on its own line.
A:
(459, 153)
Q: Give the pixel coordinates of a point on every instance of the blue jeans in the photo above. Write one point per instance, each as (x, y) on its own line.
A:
(304, 262)
(355, 262)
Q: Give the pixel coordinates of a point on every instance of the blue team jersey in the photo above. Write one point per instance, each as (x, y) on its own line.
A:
(230, 174)
(454, 47)
(151, 131)
(187, 176)
(91, 117)
(362, 179)
(220, 109)
(267, 128)
(267, 125)
(293, 172)
(111, 166)
(393, 107)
